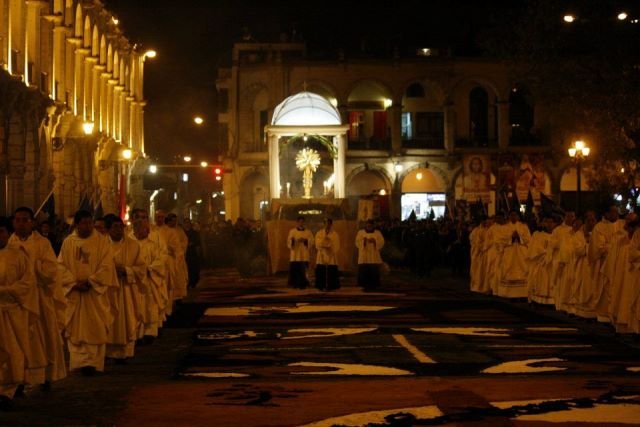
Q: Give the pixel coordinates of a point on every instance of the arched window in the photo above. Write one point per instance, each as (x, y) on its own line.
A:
(521, 116)
(415, 90)
(479, 116)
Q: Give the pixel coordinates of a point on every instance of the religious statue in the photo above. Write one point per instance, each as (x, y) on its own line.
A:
(307, 160)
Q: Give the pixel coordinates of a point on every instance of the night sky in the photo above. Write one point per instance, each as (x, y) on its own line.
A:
(194, 38)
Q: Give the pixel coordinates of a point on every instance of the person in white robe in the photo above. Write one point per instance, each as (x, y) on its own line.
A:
(476, 271)
(604, 243)
(629, 312)
(514, 237)
(51, 299)
(17, 304)
(585, 269)
(327, 244)
(155, 290)
(617, 275)
(540, 258)
(573, 250)
(493, 254)
(560, 257)
(172, 246)
(126, 298)
(87, 273)
(369, 242)
(182, 272)
(299, 242)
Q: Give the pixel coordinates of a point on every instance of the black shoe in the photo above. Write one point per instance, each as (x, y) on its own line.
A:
(6, 404)
(88, 371)
(46, 386)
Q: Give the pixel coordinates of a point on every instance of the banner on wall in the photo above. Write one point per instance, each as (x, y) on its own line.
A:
(476, 177)
(531, 176)
(506, 173)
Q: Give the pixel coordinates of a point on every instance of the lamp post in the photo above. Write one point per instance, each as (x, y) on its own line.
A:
(579, 152)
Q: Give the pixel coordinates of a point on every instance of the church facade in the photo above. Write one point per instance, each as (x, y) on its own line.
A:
(72, 108)
(422, 133)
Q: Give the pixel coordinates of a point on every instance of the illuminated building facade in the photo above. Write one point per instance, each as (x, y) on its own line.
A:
(72, 105)
(422, 132)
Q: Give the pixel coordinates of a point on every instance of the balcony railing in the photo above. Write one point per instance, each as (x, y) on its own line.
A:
(433, 143)
(477, 143)
(370, 144)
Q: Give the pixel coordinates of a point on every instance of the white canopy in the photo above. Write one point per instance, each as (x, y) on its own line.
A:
(304, 109)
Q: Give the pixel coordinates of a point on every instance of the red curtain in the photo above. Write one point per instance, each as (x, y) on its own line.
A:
(380, 125)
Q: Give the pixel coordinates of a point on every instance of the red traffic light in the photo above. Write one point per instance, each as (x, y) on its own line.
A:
(217, 171)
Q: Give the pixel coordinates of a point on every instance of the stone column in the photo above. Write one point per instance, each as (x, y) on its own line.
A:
(339, 141)
(274, 166)
(449, 127)
(504, 130)
(394, 117)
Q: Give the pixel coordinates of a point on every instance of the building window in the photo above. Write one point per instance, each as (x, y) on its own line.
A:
(521, 117)
(479, 117)
(407, 126)
(264, 117)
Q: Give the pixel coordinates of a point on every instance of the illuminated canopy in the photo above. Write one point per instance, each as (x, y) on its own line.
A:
(304, 109)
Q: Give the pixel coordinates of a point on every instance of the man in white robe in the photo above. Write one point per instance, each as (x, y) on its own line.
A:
(172, 246)
(616, 271)
(51, 299)
(369, 242)
(629, 312)
(126, 298)
(514, 238)
(327, 244)
(87, 273)
(18, 302)
(573, 250)
(603, 244)
(476, 272)
(493, 255)
(182, 275)
(559, 257)
(155, 290)
(585, 271)
(539, 258)
(299, 242)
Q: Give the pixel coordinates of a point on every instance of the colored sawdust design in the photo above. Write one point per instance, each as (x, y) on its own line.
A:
(293, 334)
(348, 369)
(215, 375)
(484, 332)
(300, 308)
(525, 367)
(377, 417)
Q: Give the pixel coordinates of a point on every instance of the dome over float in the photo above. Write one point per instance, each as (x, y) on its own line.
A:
(305, 109)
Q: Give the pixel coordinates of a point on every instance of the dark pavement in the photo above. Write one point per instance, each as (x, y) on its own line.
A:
(250, 352)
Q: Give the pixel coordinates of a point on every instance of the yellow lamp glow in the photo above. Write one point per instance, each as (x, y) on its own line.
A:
(187, 159)
(153, 169)
(419, 176)
(579, 145)
(127, 154)
(151, 53)
(204, 164)
(586, 151)
(198, 120)
(569, 18)
(622, 16)
(572, 152)
(87, 128)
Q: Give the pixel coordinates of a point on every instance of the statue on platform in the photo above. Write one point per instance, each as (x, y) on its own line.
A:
(307, 160)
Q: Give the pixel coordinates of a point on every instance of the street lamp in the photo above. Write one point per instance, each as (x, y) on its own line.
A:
(187, 159)
(198, 120)
(579, 152)
(151, 53)
(204, 164)
(153, 168)
(87, 128)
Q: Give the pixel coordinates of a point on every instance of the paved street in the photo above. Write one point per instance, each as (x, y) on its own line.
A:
(250, 352)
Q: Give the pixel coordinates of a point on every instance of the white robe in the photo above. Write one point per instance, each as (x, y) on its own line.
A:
(89, 314)
(491, 261)
(17, 304)
(299, 250)
(573, 250)
(51, 300)
(476, 239)
(182, 274)
(369, 245)
(155, 289)
(557, 282)
(328, 246)
(539, 258)
(513, 266)
(126, 299)
(628, 314)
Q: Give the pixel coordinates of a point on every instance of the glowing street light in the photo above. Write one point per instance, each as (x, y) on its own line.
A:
(150, 53)
(87, 128)
(187, 159)
(622, 16)
(153, 169)
(568, 18)
(204, 164)
(198, 120)
(127, 154)
(398, 167)
(579, 152)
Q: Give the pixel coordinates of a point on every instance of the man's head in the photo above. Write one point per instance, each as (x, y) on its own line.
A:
(83, 223)
(115, 227)
(328, 222)
(5, 231)
(611, 213)
(186, 224)
(23, 221)
(99, 225)
(514, 216)
(548, 224)
(171, 220)
(160, 217)
(569, 217)
(45, 228)
(300, 221)
(369, 225)
(140, 230)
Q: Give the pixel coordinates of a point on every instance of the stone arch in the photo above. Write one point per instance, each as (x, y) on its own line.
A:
(367, 103)
(358, 87)
(318, 86)
(423, 178)
(95, 42)
(79, 24)
(254, 188)
(471, 81)
(475, 103)
(365, 181)
(87, 32)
